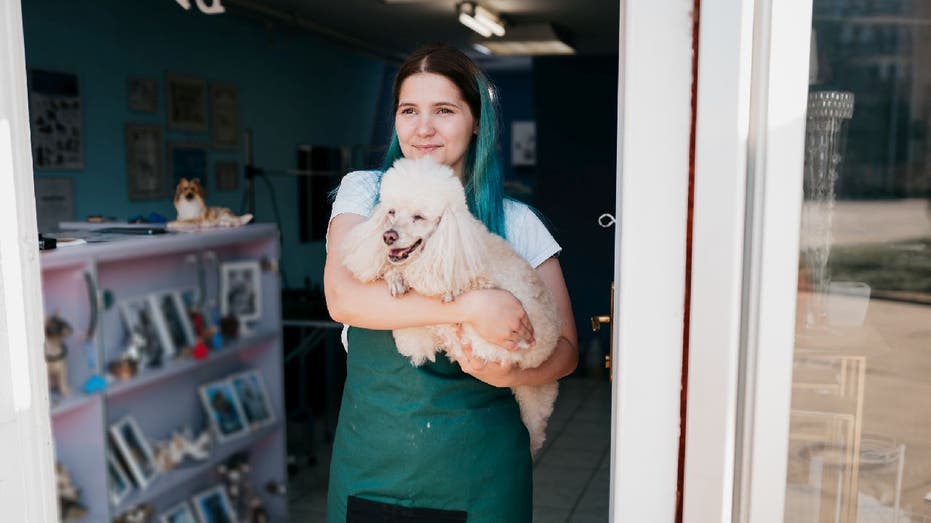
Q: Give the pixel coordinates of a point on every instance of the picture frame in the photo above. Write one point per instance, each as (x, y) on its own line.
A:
(223, 410)
(226, 175)
(241, 290)
(524, 143)
(187, 160)
(177, 330)
(135, 451)
(253, 398)
(56, 120)
(142, 94)
(214, 506)
(140, 316)
(119, 483)
(145, 172)
(224, 116)
(180, 513)
(187, 103)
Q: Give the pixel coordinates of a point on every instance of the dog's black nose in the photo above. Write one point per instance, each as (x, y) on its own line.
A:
(189, 196)
(390, 236)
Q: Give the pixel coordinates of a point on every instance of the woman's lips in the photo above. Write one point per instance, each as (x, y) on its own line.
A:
(427, 148)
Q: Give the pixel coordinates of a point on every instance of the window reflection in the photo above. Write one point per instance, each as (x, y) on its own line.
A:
(860, 430)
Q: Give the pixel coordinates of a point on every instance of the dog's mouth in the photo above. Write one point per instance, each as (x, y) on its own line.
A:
(399, 255)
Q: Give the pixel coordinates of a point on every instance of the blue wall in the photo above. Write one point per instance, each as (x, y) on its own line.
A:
(294, 89)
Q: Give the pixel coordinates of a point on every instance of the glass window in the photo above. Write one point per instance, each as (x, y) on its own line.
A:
(860, 428)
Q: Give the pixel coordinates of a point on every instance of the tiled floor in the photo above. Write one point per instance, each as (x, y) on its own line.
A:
(571, 474)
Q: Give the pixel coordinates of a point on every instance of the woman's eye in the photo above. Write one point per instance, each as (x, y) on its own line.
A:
(418, 217)
(407, 110)
(444, 110)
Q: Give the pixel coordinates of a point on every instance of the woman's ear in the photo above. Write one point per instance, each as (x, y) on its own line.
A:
(453, 256)
(363, 251)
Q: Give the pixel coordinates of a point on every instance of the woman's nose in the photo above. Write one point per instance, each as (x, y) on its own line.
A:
(425, 128)
(390, 236)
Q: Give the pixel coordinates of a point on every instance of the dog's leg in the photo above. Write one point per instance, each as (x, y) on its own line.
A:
(536, 405)
(396, 283)
(416, 343)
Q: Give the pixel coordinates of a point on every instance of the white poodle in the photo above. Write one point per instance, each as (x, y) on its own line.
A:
(421, 236)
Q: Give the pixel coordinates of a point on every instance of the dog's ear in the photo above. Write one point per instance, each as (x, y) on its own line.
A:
(454, 255)
(363, 251)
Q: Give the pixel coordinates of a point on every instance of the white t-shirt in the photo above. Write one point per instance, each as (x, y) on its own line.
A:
(525, 232)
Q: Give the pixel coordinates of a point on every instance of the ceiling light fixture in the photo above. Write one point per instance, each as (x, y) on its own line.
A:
(527, 40)
(480, 19)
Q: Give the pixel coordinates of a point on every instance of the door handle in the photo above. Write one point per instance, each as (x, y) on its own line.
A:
(598, 321)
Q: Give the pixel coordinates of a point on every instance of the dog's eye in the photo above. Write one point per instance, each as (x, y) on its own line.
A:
(391, 212)
(418, 217)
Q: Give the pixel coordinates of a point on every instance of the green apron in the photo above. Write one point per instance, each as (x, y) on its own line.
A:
(427, 437)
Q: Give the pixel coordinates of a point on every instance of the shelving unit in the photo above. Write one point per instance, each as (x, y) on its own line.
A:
(112, 269)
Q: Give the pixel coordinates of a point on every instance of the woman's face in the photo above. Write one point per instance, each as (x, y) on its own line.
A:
(433, 120)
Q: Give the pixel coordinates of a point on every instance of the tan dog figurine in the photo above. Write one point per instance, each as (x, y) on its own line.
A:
(193, 212)
(56, 354)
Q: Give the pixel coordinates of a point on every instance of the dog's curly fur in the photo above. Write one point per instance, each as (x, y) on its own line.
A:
(421, 236)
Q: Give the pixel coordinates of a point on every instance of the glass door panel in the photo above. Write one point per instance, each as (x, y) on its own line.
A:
(860, 423)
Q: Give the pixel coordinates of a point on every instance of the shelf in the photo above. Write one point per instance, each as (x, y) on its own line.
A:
(177, 477)
(74, 402)
(178, 367)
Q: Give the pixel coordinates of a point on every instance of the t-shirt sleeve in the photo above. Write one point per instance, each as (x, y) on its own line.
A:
(356, 194)
(530, 237)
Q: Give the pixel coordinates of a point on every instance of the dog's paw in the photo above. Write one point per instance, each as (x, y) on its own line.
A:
(396, 284)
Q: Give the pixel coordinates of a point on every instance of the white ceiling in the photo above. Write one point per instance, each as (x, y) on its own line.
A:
(393, 28)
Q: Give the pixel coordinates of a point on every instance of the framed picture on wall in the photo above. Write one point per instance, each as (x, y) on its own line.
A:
(224, 116)
(241, 290)
(252, 396)
(142, 94)
(187, 160)
(135, 450)
(227, 175)
(144, 162)
(223, 410)
(56, 120)
(187, 103)
(174, 320)
(523, 143)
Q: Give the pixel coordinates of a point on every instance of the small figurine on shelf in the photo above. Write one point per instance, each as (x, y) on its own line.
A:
(172, 453)
(193, 213)
(235, 478)
(56, 353)
(68, 495)
(127, 364)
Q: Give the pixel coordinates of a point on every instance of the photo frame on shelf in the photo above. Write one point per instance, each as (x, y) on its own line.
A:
(223, 410)
(143, 331)
(145, 155)
(226, 175)
(241, 290)
(142, 94)
(135, 450)
(224, 116)
(174, 321)
(187, 160)
(214, 506)
(119, 483)
(253, 397)
(187, 103)
(180, 513)
(56, 120)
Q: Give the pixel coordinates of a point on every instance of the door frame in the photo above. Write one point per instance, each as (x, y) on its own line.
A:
(27, 479)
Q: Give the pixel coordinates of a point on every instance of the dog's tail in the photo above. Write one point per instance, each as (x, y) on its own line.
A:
(245, 218)
(536, 405)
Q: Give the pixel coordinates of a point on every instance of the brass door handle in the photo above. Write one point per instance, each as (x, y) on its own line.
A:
(598, 321)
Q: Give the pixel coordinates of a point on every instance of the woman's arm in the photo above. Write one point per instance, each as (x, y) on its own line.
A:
(494, 313)
(565, 357)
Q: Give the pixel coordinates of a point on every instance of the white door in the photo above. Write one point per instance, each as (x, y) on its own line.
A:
(27, 488)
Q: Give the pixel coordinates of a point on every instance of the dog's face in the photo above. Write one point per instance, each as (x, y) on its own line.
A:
(406, 231)
(189, 198)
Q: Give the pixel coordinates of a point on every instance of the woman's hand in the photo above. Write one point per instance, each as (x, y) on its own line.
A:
(498, 317)
(495, 374)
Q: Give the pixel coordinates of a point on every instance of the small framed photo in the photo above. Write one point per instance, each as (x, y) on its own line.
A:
(227, 175)
(213, 506)
(223, 409)
(224, 116)
(241, 290)
(145, 160)
(136, 452)
(174, 320)
(187, 103)
(252, 396)
(142, 94)
(180, 513)
(144, 332)
(120, 486)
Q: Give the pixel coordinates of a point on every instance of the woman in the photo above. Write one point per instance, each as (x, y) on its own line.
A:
(441, 442)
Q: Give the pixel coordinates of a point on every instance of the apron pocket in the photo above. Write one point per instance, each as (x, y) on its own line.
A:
(360, 510)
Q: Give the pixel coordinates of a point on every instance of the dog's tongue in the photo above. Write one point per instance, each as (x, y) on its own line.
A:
(399, 252)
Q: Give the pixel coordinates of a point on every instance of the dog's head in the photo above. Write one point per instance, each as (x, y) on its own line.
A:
(415, 197)
(189, 199)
